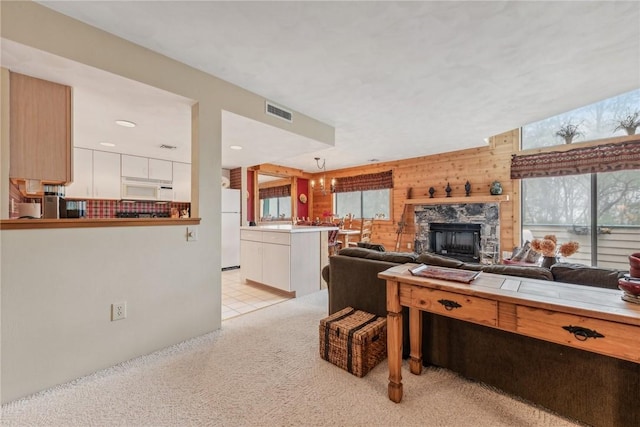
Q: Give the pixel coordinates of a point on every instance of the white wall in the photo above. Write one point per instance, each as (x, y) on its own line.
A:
(57, 285)
(57, 290)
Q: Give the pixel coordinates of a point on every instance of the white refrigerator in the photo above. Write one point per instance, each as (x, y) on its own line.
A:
(230, 228)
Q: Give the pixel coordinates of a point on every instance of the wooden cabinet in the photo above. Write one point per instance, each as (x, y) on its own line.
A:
(82, 186)
(181, 182)
(106, 175)
(40, 130)
(145, 168)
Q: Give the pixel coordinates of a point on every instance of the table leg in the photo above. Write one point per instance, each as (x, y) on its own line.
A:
(394, 341)
(415, 337)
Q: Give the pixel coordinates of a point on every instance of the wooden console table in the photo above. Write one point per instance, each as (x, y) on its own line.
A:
(588, 318)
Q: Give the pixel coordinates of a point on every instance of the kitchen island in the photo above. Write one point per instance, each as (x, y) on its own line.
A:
(284, 257)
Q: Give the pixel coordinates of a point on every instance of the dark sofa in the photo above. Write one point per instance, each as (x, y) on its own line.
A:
(591, 388)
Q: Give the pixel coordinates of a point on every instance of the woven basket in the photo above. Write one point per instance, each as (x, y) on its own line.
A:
(353, 340)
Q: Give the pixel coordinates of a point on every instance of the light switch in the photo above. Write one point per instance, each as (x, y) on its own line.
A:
(192, 234)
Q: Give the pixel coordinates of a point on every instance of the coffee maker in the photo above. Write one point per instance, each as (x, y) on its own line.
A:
(54, 204)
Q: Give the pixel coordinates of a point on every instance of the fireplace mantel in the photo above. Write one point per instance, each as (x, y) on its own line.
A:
(457, 200)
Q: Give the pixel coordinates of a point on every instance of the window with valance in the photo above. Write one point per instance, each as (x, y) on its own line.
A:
(370, 181)
(596, 159)
(274, 192)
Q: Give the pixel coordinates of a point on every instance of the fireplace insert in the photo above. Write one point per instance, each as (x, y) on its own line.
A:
(455, 240)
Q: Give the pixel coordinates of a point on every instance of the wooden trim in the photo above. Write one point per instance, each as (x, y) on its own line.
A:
(457, 200)
(31, 224)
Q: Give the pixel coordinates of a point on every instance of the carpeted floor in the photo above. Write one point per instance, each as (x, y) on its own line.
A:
(264, 369)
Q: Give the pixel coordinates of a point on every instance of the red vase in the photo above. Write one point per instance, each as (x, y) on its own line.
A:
(634, 264)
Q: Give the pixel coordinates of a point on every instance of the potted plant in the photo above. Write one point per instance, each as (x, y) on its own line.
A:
(569, 131)
(629, 123)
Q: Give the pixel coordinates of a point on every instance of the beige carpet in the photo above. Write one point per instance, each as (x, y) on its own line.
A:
(264, 369)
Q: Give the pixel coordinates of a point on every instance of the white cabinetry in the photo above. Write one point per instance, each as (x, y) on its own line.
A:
(106, 175)
(135, 167)
(82, 186)
(289, 261)
(181, 182)
(96, 175)
(251, 255)
(145, 168)
(160, 169)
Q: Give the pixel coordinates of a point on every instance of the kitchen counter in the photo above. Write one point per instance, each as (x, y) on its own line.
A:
(285, 257)
(28, 224)
(288, 228)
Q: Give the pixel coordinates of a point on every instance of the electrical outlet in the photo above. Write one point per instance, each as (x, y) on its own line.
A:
(118, 311)
(408, 245)
(192, 234)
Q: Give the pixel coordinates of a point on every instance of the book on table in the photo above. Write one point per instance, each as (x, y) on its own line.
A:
(443, 273)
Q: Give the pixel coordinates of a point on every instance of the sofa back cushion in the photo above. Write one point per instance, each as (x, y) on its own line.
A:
(585, 275)
(438, 260)
(394, 257)
(532, 272)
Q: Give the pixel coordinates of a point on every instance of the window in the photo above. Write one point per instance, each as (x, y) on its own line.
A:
(587, 194)
(363, 204)
(275, 208)
(594, 121)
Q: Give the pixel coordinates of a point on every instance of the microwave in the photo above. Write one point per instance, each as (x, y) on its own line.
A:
(146, 190)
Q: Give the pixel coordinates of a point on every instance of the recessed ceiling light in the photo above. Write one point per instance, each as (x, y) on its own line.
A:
(126, 123)
(108, 144)
(235, 147)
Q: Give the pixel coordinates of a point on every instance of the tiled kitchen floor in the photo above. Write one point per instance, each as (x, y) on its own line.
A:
(239, 297)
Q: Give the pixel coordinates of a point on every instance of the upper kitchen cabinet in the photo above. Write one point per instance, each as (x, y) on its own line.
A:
(40, 130)
(181, 182)
(145, 168)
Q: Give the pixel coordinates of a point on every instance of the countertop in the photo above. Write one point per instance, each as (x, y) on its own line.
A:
(26, 224)
(288, 228)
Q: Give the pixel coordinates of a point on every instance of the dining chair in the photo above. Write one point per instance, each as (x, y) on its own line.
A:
(366, 228)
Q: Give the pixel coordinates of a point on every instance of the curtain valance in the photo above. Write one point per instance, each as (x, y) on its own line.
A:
(370, 181)
(599, 158)
(273, 192)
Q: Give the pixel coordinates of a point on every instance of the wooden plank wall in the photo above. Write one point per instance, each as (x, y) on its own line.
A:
(480, 166)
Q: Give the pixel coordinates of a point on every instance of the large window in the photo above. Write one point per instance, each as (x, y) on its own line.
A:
(594, 121)
(573, 195)
(363, 204)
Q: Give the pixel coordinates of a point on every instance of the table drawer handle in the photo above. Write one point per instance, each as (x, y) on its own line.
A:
(448, 304)
(582, 334)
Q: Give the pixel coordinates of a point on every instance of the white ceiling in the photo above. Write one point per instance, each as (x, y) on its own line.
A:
(396, 79)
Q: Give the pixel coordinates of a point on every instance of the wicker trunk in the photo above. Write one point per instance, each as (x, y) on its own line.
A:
(354, 340)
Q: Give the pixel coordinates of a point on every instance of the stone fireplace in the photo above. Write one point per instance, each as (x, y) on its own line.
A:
(469, 232)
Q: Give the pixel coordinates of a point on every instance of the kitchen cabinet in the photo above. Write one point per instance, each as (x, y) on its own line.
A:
(40, 130)
(145, 168)
(82, 186)
(106, 175)
(251, 253)
(96, 175)
(283, 257)
(161, 170)
(181, 182)
(135, 167)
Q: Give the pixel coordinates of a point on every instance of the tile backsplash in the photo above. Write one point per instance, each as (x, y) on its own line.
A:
(109, 208)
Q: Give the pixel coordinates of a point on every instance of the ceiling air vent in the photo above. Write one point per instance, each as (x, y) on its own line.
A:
(168, 147)
(279, 112)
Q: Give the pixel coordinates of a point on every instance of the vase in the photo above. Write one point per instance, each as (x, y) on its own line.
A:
(548, 261)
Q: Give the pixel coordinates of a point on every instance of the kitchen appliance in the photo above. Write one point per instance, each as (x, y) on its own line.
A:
(146, 190)
(230, 205)
(28, 210)
(53, 202)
